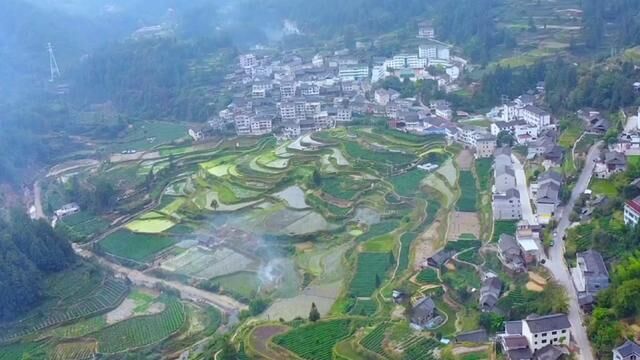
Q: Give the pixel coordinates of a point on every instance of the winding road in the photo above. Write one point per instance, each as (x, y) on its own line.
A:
(558, 267)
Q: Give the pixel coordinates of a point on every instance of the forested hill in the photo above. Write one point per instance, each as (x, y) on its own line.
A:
(163, 78)
(29, 251)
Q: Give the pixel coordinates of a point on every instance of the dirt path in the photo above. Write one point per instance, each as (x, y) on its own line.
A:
(222, 302)
(461, 350)
(37, 201)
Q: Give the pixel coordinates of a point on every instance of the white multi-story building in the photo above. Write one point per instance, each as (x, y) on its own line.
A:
(288, 111)
(354, 72)
(287, 89)
(426, 30)
(547, 330)
(434, 52)
(248, 61)
(632, 212)
(261, 125)
(532, 337)
(536, 116)
(404, 61)
(343, 114)
(243, 124)
(378, 73)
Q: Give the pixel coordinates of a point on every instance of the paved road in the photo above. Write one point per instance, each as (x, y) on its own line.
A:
(224, 303)
(525, 200)
(556, 263)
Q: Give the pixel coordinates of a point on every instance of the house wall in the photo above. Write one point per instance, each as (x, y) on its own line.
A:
(539, 340)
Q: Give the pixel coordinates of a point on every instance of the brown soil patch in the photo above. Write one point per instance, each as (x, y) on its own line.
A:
(463, 223)
(465, 160)
(450, 266)
(461, 350)
(532, 286)
(304, 246)
(260, 338)
(426, 244)
(334, 201)
(537, 278)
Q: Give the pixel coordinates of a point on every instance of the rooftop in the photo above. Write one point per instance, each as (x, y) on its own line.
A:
(548, 323)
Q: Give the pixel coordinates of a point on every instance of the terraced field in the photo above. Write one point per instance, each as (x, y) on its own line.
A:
(315, 341)
(141, 331)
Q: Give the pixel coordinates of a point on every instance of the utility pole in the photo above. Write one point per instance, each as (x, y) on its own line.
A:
(53, 64)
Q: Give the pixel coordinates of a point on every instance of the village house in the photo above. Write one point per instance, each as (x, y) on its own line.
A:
(548, 195)
(595, 121)
(510, 254)
(485, 146)
(440, 258)
(506, 206)
(536, 337)
(590, 275)
(535, 116)
(66, 210)
(490, 292)
(423, 313)
(426, 30)
(529, 241)
(630, 350)
(632, 212)
(610, 163)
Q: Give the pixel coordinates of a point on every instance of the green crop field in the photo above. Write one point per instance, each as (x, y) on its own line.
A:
(371, 269)
(422, 350)
(364, 307)
(83, 225)
(468, 193)
(373, 340)
(138, 247)
(143, 330)
(101, 298)
(483, 170)
(379, 229)
(604, 187)
(244, 283)
(343, 187)
(405, 249)
(504, 227)
(408, 183)
(315, 341)
(356, 151)
(428, 276)
(384, 244)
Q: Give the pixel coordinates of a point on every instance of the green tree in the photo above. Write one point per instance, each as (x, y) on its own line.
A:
(314, 314)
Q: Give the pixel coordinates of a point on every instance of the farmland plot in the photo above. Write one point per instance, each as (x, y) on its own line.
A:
(371, 269)
(315, 341)
(468, 197)
(141, 331)
(204, 264)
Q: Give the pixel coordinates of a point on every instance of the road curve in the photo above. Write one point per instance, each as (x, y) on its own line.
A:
(559, 268)
(222, 302)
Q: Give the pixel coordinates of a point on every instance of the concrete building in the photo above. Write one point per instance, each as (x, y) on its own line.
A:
(485, 146)
(609, 164)
(287, 89)
(343, 115)
(534, 336)
(632, 212)
(535, 116)
(354, 72)
(506, 206)
(590, 274)
(434, 51)
(426, 30)
(248, 61)
(548, 195)
(627, 351)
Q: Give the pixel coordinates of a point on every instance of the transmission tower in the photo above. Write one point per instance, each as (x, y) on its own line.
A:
(53, 64)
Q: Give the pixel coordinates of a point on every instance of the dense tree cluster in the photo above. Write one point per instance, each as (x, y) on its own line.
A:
(624, 15)
(155, 78)
(29, 251)
(471, 23)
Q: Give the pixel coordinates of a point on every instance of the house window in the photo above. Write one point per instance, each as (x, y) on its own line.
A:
(544, 334)
(564, 331)
(544, 341)
(535, 335)
(554, 332)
